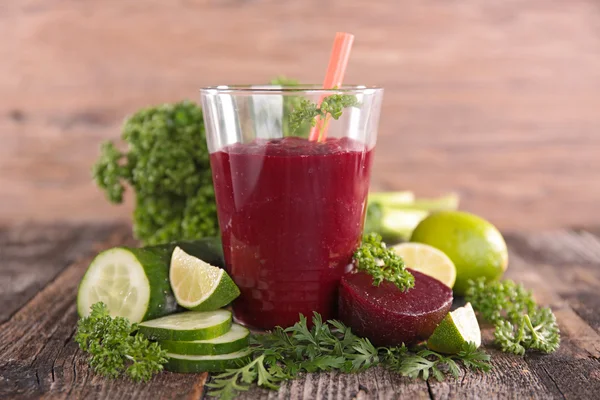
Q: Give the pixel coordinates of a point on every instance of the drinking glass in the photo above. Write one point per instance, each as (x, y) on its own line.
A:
(291, 210)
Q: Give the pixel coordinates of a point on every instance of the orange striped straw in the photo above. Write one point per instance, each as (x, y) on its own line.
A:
(340, 53)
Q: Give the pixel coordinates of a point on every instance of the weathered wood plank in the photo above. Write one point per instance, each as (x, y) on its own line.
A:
(587, 305)
(510, 377)
(558, 247)
(30, 257)
(574, 370)
(572, 377)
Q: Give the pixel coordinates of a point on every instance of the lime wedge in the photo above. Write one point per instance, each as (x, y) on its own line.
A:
(199, 286)
(457, 328)
(428, 260)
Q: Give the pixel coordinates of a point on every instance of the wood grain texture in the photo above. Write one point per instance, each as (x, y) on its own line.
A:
(496, 100)
(38, 356)
(31, 258)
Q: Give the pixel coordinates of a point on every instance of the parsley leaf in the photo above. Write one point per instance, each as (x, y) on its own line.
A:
(325, 346)
(520, 324)
(307, 111)
(289, 104)
(167, 165)
(374, 258)
(114, 350)
(474, 358)
(425, 362)
(227, 384)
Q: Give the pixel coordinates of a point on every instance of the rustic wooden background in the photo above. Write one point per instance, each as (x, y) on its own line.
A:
(499, 101)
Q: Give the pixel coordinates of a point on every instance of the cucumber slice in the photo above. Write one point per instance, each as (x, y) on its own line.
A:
(215, 363)
(234, 340)
(190, 325)
(134, 283)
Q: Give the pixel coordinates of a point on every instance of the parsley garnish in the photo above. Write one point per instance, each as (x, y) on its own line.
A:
(424, 362)
(289, 104)
(307, 111)
(114, 350)
(520, 324)
(374, 258)
(227, 384)
(282, 354)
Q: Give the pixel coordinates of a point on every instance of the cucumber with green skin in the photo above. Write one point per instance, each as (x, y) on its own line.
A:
(214, 363)
(234, 340)
(208, 250)
(188, 326)
(134, 282)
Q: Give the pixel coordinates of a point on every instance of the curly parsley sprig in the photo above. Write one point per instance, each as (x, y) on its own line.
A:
(326, 346)
(114, 350)
(374, 258)
(166, 163)
(520, 324)
(331, 106)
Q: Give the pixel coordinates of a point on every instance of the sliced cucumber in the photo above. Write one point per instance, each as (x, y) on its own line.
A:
(134, 283)
(190, 325)
(215, 363)
(234, 340)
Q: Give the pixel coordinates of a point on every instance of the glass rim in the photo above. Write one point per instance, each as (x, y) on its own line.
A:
(288, 89)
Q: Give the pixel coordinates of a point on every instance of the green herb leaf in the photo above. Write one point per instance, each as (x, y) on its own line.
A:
(114, 350)
(374, 258)
(474, 358)
(305, 111)
(414, 366)
(167, 165)
(229, 383)
(425, 363)
(326, 346)
(289, 104)
(520, 324)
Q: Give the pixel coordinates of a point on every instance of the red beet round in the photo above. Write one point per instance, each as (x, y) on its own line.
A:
(389, 317)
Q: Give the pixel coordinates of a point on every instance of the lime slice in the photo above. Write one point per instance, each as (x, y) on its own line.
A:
(190, 325)
(199, 286)
(457, 328)
(218, 363)
(428, 260)
(234, 340)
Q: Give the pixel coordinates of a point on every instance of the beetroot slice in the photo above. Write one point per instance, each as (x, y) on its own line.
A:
(389, 317)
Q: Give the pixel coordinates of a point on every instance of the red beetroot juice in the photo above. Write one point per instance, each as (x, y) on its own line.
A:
(291, 214)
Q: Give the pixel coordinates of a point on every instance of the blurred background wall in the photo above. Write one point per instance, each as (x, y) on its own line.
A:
(497, 100)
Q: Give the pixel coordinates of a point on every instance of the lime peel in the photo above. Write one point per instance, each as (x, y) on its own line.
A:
(457, 328)
(475, 246)
(199, 286)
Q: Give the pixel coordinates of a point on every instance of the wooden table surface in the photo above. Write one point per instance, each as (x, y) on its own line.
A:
(41, 265)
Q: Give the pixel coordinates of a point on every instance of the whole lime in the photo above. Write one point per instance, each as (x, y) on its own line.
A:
(475, 246)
